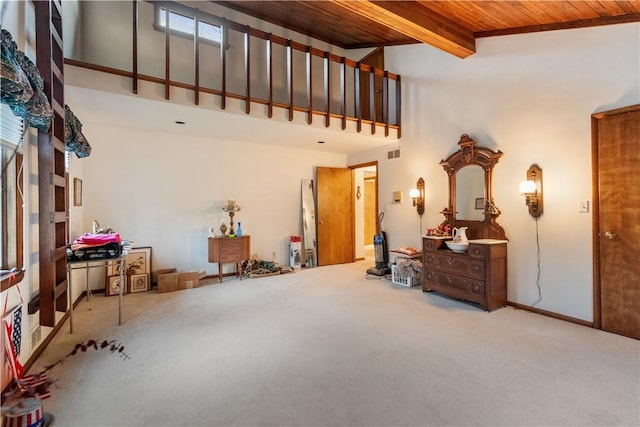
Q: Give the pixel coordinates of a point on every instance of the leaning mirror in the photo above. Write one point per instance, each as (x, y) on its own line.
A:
(309, 223)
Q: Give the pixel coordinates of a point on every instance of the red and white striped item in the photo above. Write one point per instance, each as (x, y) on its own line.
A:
(31, 415)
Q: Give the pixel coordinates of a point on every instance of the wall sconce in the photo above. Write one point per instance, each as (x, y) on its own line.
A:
(531, 189)
(417, 194)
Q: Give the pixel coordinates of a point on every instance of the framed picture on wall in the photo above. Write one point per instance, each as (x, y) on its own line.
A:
(480, 203)
(138, 283)
(77, 192)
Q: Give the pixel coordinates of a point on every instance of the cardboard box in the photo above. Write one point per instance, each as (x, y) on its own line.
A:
(188, 280)
(168, 282)
(157, 273)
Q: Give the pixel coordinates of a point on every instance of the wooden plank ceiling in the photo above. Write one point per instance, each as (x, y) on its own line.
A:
(452, 26)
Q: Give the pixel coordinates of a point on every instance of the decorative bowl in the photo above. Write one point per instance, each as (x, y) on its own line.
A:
(457, 247)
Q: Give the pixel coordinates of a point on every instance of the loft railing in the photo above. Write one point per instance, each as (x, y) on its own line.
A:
(351, 90)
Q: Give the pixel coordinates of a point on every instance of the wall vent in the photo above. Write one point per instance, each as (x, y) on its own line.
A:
(393, 154)
(36, 336)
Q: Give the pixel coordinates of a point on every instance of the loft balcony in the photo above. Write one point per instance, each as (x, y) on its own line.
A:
(245, 70)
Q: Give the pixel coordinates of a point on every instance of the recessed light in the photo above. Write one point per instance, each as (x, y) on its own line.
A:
(180, 122)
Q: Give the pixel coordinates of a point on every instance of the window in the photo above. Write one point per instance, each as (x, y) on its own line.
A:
(182, 23)
(11, 211)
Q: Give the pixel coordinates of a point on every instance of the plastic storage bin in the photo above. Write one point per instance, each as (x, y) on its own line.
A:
(403, 281)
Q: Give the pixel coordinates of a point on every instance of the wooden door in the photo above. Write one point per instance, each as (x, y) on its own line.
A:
(616, 219)
(335, 216)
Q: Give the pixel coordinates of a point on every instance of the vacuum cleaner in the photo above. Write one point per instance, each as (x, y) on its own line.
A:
(380, 250)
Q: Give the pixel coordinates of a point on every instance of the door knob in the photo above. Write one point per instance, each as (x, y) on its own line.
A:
(609, 235)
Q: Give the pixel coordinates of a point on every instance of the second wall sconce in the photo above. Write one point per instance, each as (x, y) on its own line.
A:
(417, 194)
(531, 189)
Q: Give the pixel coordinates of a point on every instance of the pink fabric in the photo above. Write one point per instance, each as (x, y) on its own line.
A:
(97, 239)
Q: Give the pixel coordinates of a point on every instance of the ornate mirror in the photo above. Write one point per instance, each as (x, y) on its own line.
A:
(471, 202)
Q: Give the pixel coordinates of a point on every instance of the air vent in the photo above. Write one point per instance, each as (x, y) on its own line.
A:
(36, 336)
(393, 154)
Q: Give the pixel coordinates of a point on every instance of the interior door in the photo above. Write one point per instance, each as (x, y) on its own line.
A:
(616, 216)
(335, 216)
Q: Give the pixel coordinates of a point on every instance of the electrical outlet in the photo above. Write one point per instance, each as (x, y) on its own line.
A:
(584, 206)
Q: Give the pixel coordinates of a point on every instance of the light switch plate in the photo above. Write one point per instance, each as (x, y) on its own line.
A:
(584, 206)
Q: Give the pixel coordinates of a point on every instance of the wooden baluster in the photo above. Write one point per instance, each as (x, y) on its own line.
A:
(398, 105)
(223, 65)
(196, 60)
(135, 46)
(372, 99)
(290, 77)
(247, 68)
(309, 84)
(343, 92)
(167, 66)
(358, 106)
(270, 75)
(385, 102)
(327, 89)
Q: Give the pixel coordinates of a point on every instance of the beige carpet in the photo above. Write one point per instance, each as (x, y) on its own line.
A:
(328, 347)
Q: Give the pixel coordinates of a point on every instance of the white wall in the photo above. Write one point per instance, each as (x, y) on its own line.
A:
(530, 96)
(165, 191)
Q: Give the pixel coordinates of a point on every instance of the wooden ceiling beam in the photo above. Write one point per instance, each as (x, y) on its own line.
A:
(418, 23)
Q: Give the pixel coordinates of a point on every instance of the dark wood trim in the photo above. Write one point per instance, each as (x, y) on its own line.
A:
(582, 23)
(550, 314)
(8, 281)
(595, 215)
(136, 17)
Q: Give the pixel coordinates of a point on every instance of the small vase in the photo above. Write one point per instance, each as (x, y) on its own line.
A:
(223, 229)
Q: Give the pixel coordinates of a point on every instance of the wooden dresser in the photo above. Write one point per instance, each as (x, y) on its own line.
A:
(226, 250)
(478, 276)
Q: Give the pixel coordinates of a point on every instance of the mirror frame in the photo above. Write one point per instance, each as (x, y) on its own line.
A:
(472, 154)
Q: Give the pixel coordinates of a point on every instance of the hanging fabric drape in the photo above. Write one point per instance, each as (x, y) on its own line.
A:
(22, 85)
(74, 139)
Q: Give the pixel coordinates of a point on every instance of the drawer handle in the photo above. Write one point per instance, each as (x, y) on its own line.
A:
(476, 251)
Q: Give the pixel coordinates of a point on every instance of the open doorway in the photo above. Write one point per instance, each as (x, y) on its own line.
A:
(366, 209)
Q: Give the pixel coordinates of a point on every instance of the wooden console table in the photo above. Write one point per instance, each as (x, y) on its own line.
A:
(226, 250)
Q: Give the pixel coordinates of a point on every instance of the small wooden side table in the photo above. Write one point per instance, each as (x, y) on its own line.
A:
(226, 250)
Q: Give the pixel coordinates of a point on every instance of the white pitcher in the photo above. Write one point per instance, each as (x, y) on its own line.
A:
(459, 235)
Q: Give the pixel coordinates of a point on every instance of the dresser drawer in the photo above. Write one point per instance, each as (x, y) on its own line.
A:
(477, 251)
(455, 264)
(462, 284)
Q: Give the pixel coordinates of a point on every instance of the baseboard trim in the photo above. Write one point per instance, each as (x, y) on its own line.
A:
(551, 314)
